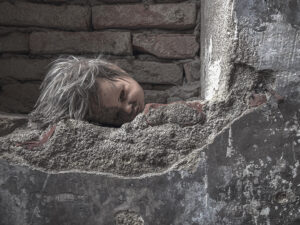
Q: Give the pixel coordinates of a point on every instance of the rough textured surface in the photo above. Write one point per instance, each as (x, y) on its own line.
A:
(155, 96)
(20, 78)
(192, 71)
(9, 122)
(114, 1)
(33, 32)
(275, 38)
(152, 142)
(233, 182)
(128, 218)
(241, 166)
(86, 2)
(218, 39)
(23, 68)
(30, 14)
(152, 72)
(19, 97)
(14, 42)
(185, 92)
(116, 43)
(135, 148)
(169, 46)
(170, 16)
(167, 1)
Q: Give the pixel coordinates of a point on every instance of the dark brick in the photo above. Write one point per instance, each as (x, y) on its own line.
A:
(18, 98)
(73, 2)
(94, 2)
(170, 16)
(23, 69)
(118, 43)
(185, 92)
(152, 72)
(192, 70)
(157, 87)
(43, 15)
(14, 42)
(168, 1)
(86, 2)
(170, 46)
(153, 96)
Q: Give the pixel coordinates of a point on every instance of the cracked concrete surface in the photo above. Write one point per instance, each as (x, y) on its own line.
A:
(241, 166)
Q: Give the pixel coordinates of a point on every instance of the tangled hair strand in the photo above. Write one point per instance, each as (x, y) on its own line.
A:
(70, 86)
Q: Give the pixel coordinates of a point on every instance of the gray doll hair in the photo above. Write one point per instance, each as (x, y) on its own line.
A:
(70, 88)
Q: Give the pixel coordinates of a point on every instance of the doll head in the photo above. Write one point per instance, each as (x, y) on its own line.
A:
(89, 89)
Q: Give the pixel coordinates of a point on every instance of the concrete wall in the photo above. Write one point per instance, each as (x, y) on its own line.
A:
(239, 166)
(157, 42)
(263, 35)
(218, 38)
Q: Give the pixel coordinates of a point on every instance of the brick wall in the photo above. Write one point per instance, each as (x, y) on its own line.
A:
(157, 42)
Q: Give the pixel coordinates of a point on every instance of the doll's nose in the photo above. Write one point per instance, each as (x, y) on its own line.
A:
(128, 107)
(132, 108)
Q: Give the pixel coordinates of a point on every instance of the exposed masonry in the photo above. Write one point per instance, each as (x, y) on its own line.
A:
(157, 42)
(238, 166)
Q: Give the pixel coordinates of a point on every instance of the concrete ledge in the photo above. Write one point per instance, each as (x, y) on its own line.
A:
(246, 170)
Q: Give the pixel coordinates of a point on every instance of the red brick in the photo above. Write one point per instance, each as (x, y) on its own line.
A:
(152, 72)
(118, 43)
(14, 42)
(169, 46)
(170, 16)
(23, 68)
(44, 15)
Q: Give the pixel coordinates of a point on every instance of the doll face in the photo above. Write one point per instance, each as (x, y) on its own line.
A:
(120, 99)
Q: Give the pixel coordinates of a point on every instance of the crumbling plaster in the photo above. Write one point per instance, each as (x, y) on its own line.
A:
(218, 41)
(241, 166)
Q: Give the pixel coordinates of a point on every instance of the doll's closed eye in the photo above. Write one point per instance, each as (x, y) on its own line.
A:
(122, 97)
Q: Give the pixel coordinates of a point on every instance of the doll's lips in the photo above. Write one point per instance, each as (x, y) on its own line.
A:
(135, 111)
(141, 107)
(138, 109)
